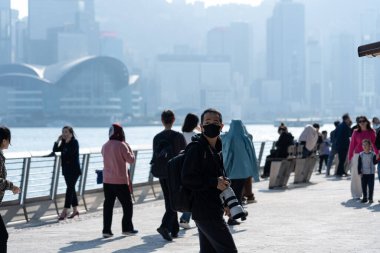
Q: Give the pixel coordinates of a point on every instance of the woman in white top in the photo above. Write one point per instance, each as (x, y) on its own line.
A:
(189, 125)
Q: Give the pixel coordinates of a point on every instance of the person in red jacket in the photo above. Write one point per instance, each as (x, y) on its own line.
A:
(116, 182)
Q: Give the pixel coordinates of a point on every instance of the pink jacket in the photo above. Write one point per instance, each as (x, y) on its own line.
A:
(356, 142)
(116, 155)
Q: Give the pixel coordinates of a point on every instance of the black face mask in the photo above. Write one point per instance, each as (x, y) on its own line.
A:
(211, 130)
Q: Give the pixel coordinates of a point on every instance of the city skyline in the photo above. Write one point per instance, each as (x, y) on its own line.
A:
(278, 59)
(22, 5)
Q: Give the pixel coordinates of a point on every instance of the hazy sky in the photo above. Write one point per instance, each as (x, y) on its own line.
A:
(22, 5)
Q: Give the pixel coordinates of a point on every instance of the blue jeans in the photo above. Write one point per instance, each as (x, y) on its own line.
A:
(185, 217)
(332, 154)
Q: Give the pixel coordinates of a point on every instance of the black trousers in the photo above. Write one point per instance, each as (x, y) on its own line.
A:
(215, 237)
(342, 154)
(322, 158)
(368, 180)
(122, 193)
(237, 185)
(266, 172)
(3, 236)
(170, 218)
(71, 199)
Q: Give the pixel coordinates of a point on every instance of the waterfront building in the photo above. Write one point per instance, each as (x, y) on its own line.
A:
(91, 91)
(52, 23)
(5, 31)
(193, 82)
(286, 51)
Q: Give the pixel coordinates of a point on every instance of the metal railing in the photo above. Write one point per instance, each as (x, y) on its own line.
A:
(40, 179)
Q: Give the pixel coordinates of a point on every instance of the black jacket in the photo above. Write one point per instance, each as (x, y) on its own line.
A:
(69, 156)
(284, 141)
(342, 137)
(201, 169)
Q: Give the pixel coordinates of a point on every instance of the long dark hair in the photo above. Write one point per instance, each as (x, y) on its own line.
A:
(5, 134)
(190, 123)
(71, 130)
(366, 120)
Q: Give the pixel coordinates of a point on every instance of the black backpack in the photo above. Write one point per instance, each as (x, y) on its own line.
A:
(180, 196)
(163, 152)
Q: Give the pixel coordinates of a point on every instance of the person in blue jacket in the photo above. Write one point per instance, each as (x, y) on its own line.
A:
(239, 159)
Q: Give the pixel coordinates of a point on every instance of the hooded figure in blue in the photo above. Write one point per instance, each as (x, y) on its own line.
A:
(239, 155)
(239, 158)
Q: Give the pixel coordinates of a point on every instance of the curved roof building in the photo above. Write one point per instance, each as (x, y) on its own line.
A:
(86, 91)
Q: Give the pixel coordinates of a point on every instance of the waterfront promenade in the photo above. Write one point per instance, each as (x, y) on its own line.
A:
(316, 217)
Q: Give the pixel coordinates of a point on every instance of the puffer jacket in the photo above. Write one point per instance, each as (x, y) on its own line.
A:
(4, 183)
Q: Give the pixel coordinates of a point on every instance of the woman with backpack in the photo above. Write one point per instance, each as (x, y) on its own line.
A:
(189, 125)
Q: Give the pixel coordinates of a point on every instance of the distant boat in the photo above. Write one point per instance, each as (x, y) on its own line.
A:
(298, 122)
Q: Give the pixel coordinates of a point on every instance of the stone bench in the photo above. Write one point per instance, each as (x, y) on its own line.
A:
(281, 169)
(304, 167)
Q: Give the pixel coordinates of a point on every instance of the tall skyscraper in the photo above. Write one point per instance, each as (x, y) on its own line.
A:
(286, 49)
(314, 80)
(234, 41)
(5, 31)
(50, 21)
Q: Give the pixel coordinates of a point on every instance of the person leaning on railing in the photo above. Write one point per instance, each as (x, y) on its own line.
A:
(5, 140)
(68, 145)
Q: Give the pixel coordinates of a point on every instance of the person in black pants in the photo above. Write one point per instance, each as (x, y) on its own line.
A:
(176, 141)
(202, 173)
(5, 140)
(69, 148)
(117, 154)
(342, 143)
(366, 169)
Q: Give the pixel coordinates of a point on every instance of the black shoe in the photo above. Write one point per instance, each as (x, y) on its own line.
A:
(130, 232)
(165, 233)
(370, 201)
(174, 235)
(364, 200)
(232, 222)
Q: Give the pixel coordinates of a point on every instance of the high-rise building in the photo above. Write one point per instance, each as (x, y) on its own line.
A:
(369, 79)
(341, 73)
(314, 80)
(49, 19)
(234, 41)
(5, 31)
(286, 50)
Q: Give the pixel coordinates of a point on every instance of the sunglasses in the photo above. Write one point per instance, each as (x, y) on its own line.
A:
(362, 121)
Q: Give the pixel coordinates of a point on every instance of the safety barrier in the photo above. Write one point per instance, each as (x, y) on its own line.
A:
(39, 175)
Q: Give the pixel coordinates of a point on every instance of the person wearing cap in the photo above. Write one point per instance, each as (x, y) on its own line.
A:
(116, 182)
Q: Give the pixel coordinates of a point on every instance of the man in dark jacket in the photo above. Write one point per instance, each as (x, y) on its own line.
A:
(342, 142)
(169, 226)
(203, 174)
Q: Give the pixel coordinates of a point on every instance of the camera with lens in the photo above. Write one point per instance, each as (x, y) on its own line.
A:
(229, 199)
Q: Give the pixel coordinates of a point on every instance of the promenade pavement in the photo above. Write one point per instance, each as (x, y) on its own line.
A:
(315, 217)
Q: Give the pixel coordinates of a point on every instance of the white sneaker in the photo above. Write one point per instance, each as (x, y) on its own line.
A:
(184, 225)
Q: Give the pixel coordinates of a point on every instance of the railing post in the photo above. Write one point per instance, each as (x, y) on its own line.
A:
(132, 173)
(24, 186)
(82, 183)
(58, 162)
(53, 180)
(261, 153)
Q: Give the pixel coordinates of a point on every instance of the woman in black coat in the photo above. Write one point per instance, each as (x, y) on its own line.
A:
(69, 148)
